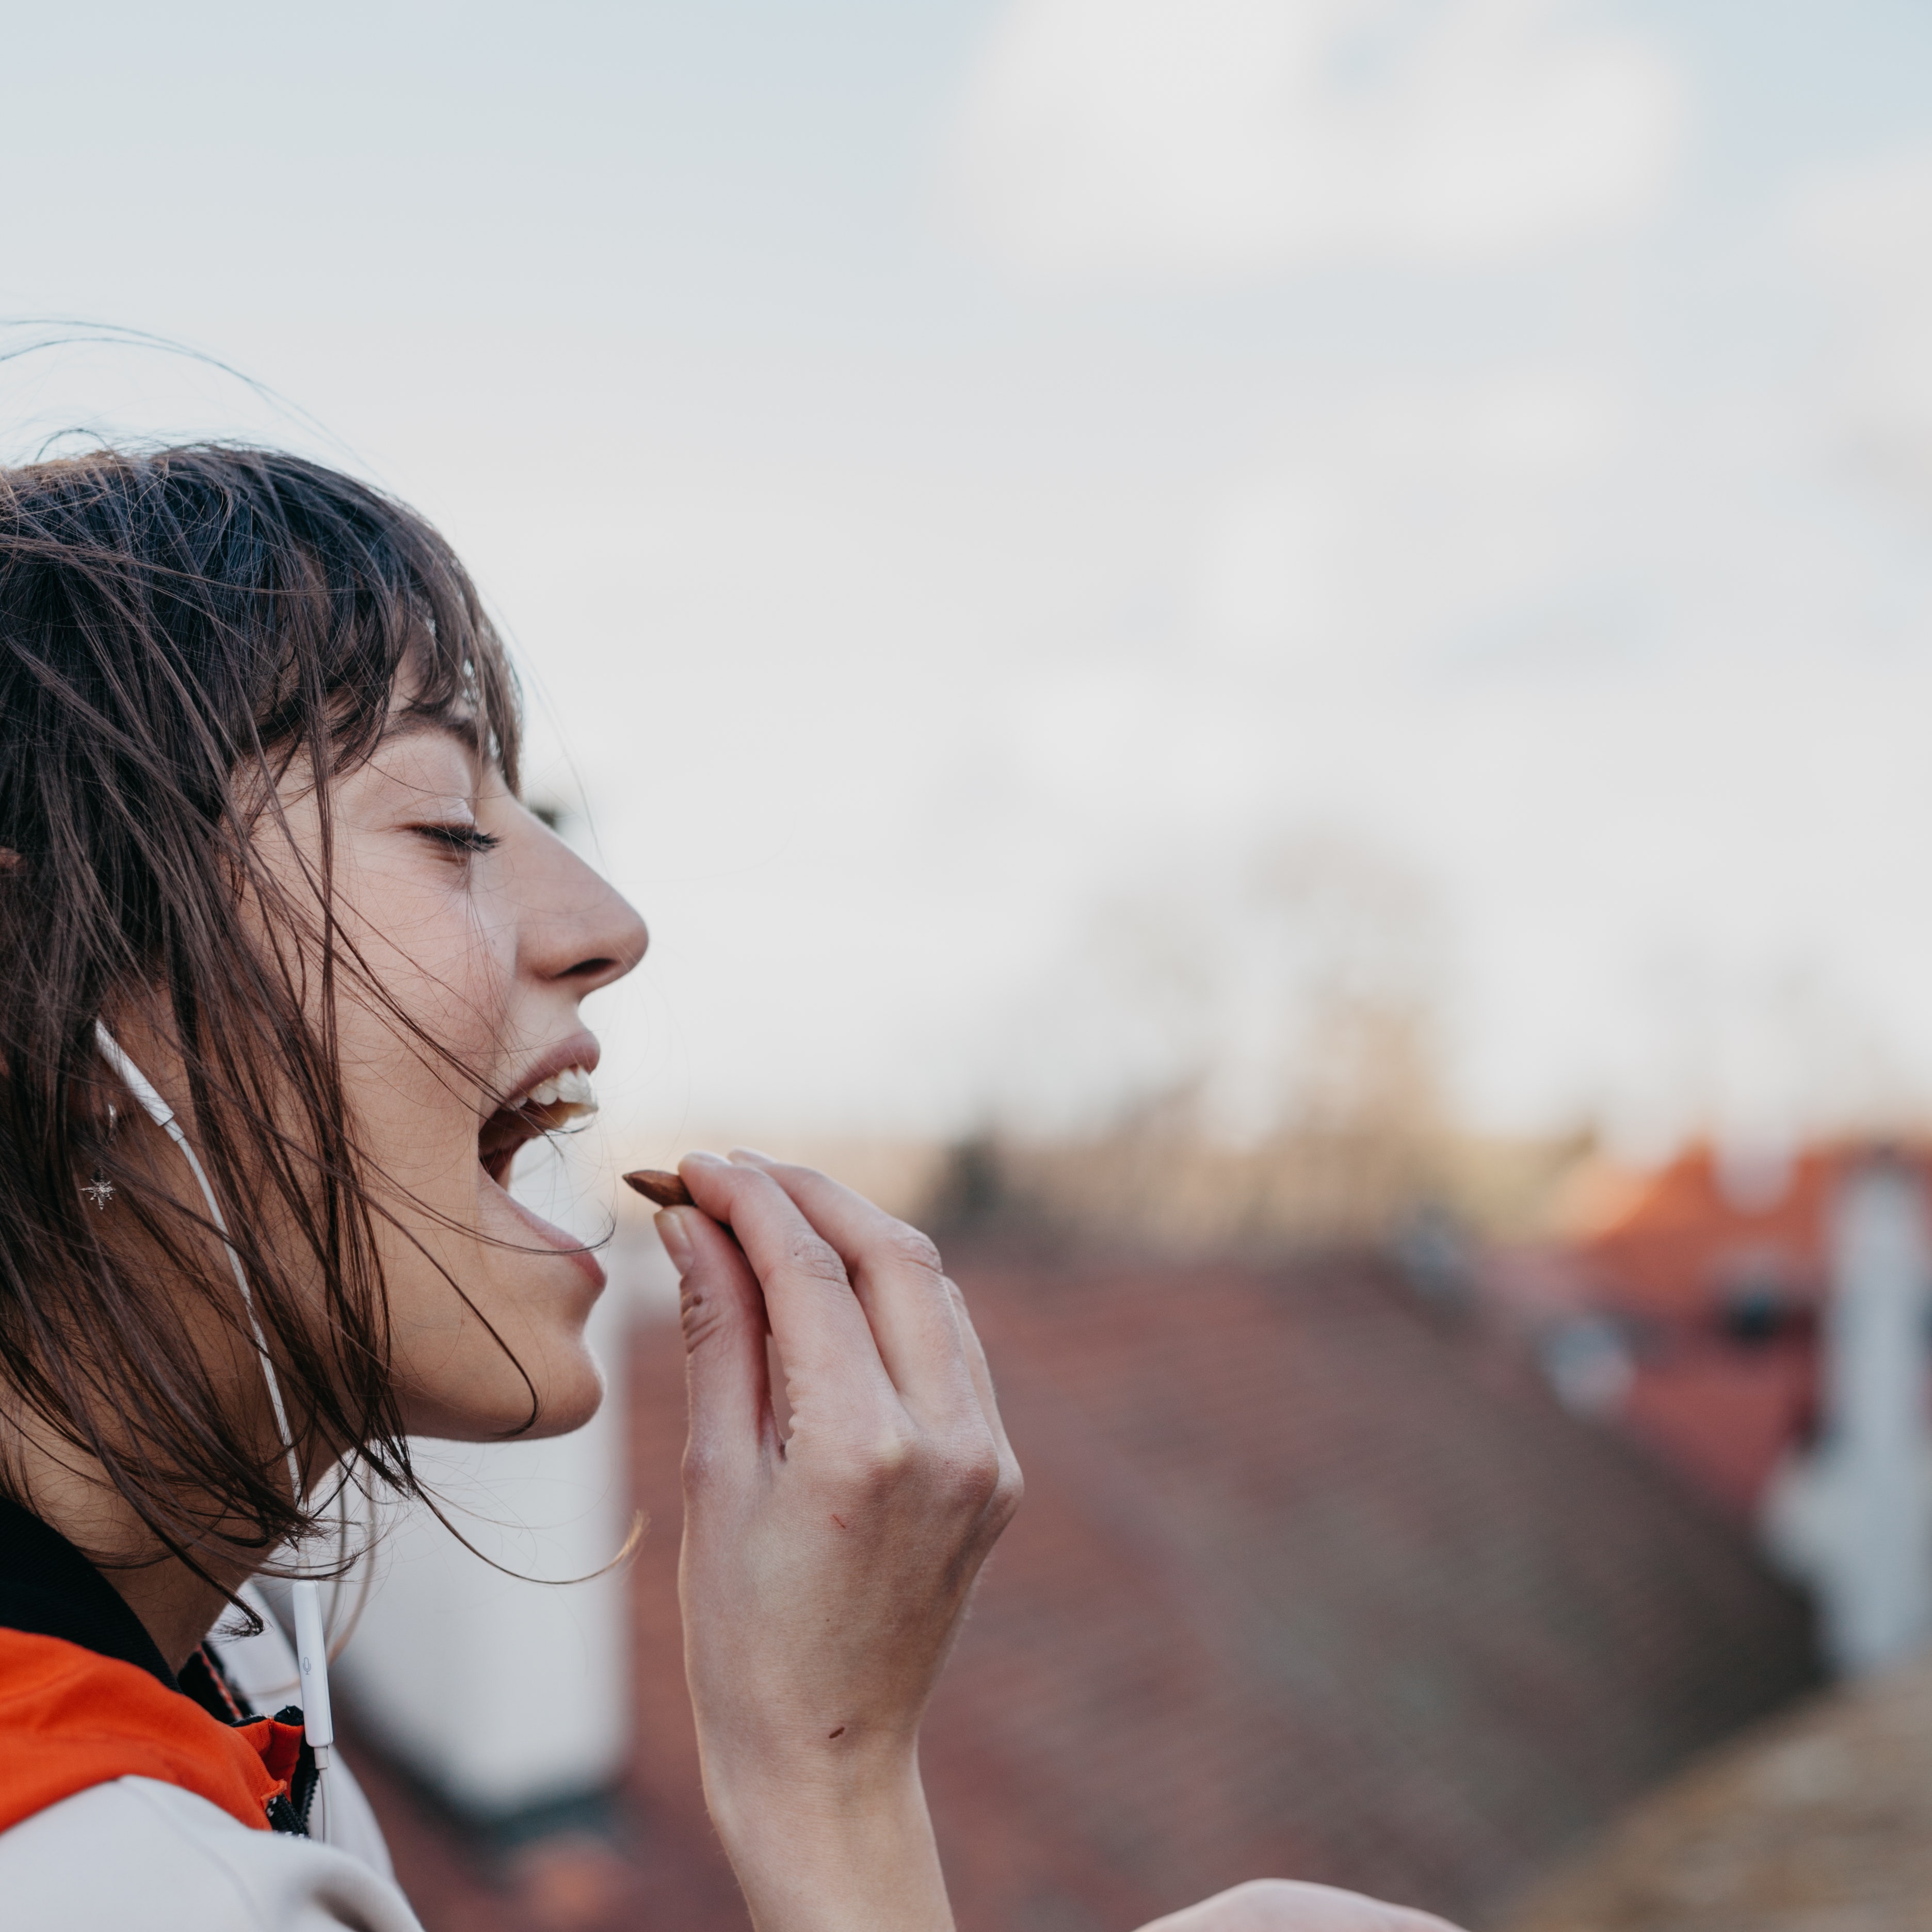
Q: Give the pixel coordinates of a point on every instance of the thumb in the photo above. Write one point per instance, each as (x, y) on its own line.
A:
(722, 1310)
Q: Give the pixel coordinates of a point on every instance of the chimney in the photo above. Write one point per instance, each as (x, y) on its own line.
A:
(1876, 1593)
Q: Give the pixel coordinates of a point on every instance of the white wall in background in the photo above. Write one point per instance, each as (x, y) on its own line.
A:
(507, 1693)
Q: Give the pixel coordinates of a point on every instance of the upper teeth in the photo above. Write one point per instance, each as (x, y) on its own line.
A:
(570, 1088)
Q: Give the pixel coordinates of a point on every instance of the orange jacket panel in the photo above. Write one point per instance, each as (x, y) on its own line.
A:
(70, 1719)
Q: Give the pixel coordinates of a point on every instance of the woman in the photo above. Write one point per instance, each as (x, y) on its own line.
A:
(288, 975)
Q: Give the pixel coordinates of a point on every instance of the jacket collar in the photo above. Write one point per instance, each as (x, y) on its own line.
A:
(48, 1587)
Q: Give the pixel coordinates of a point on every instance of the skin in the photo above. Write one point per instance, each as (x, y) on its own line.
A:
(826, 1566)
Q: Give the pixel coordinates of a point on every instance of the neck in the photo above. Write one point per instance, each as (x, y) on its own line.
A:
(72, 1494)
(178, 1608)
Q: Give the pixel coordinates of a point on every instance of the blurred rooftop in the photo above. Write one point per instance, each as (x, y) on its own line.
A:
(1822, 1822)
(1314, 1577)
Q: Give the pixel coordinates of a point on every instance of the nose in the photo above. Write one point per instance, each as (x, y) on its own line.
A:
(578, 930)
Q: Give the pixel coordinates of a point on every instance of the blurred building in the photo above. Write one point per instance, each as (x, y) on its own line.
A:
(1765, 1328)
(1692, 1317)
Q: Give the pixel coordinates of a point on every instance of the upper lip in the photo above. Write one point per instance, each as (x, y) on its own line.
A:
(581, 1049)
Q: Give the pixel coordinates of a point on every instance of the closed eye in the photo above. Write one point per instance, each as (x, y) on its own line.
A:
(466, 839)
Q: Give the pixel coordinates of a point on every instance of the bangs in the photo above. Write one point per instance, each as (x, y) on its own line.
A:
(457, 695)
(235, 606)
(357, 602)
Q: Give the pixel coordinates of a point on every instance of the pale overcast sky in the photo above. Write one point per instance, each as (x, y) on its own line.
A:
(970, 481)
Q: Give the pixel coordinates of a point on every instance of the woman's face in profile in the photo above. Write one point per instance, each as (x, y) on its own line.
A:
(485, 931)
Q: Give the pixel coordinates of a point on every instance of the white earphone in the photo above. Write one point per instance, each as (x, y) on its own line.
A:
(311, 1641)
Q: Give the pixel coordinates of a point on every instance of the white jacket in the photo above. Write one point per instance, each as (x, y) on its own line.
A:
(137, 1855)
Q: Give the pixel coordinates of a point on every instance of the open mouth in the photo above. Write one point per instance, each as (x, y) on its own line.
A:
(556, 1103)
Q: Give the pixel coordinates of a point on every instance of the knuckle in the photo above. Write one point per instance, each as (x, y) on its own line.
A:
(700, 1464)
(1010, 1491)
(701, 1316)
(969, 1476)
(962, 1313)
(911, 1248)
(880, 1462)
(809, 1255)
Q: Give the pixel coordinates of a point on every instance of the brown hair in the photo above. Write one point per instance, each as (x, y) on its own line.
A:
(177, 627)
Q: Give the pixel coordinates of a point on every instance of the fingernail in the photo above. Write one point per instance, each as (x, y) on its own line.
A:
(676, 1241)
(752, 1154)
(704, 1159)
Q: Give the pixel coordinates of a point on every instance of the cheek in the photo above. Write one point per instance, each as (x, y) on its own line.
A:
(446, 965)
(447, 980)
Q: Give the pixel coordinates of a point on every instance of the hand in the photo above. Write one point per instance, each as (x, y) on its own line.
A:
(825, 1572)
(1279, 1905)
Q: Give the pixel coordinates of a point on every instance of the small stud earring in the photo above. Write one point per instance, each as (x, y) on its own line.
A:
(100, 1190)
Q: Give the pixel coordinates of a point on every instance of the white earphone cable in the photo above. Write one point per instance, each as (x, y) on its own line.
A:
(311, 1641)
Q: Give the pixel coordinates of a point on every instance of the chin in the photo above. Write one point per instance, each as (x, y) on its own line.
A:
(487, 1401)
(563, 1408)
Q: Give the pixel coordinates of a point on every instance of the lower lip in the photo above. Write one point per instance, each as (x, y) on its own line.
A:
(551, 1235)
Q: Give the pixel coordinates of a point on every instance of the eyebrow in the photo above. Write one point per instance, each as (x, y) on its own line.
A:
(460, 725)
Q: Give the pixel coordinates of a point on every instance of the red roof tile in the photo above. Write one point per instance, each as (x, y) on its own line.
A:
(1306, 1583)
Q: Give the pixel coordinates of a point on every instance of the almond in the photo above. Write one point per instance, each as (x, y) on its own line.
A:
(666, 1190)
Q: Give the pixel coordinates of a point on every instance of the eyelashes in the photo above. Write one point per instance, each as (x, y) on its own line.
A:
(466, 839)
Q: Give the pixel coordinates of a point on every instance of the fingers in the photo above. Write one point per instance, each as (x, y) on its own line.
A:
(724, 1318)
(916, 1317)
(859, 1312)
(1008, 1495)
(821, 1332)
